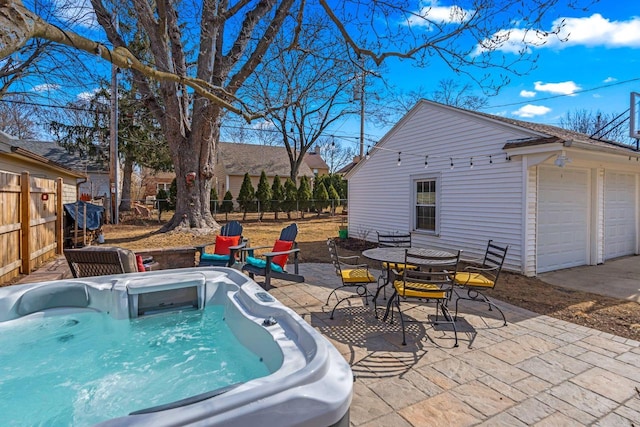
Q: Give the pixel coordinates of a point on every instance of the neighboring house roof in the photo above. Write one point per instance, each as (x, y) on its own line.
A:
(314, 160)
(238, 159)
(346, 169)
(58, 154)
(16, 147)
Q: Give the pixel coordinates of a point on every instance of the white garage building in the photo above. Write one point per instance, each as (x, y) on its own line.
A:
(456, 178)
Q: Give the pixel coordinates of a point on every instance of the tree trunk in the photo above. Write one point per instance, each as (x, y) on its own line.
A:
(193, 161)
(125, 196)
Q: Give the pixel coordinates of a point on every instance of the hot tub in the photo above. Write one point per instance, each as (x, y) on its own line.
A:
(296, 376)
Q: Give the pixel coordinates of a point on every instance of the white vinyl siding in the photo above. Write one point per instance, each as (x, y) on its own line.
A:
(563, 218)
(475, 204)
(620, 215)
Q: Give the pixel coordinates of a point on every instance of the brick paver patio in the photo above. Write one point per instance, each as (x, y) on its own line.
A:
(537, 370)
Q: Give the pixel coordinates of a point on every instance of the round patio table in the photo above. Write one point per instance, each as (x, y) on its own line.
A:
(396, 255)
(393, 256)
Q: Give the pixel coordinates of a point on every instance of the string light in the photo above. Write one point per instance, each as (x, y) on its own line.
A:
(452, 159)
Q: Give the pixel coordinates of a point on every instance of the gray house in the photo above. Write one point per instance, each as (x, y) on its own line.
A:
(456, 178)
(96, 173)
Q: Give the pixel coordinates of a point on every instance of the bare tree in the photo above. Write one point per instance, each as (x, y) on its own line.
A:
(598, 125)
(335, 154)
(457, 94)
(17, 117)
(202, 55)
(314, 77)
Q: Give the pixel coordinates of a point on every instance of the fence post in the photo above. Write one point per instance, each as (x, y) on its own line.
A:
(59, 216)
(25, 222)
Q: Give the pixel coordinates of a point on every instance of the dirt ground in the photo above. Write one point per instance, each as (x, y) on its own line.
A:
(611, 315)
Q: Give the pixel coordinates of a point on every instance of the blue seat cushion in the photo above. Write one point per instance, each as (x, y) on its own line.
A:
(261, 263)
(214, 257)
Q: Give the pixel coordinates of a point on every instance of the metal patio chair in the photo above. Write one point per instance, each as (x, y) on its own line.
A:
(391, 240)
(474, 280)
(351, 274)
(432, 281)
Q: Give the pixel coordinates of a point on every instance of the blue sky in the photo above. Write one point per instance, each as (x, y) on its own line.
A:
(595, 69)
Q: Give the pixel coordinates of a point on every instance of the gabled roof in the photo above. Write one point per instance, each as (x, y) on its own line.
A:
(546, 134)
(541, 134)
(314, 160)
(60, 155)
(238, 159)
(16, 147)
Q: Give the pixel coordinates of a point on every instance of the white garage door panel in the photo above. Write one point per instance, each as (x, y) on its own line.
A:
(563, 207)
(619, 215)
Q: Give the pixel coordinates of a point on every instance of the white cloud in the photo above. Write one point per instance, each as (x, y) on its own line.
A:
(87, 96)
(609, 80)
(529, 111)
(591, 31)
(431, 13)
(45, 87)
(527, 93)
(562, 88)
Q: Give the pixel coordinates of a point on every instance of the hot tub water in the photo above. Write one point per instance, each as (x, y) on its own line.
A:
(84, 368)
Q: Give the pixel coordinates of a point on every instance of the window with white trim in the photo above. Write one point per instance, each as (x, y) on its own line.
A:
(426, 204)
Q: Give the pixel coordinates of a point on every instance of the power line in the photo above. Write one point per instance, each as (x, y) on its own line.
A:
(62, 107)
(565, 95)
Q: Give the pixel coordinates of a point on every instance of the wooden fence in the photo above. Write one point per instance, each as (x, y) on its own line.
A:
(31, 215)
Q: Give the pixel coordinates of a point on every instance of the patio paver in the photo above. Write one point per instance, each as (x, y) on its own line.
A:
(537, 370)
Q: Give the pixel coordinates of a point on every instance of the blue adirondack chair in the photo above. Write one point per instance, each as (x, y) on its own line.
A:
(272, 264)
(224, 253)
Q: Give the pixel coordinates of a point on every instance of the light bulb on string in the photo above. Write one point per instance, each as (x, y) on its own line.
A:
(490, 159)
(471, 163)
(366, 156)
(451, 159)
(426, 162)
(399, 161)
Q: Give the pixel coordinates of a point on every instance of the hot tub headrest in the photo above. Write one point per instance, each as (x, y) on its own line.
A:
(53, 296)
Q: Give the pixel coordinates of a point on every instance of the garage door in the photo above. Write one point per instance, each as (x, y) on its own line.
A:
(619, 215)
(563, 206)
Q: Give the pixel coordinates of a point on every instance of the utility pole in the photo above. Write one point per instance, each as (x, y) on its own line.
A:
(114, 165)
(362, 113)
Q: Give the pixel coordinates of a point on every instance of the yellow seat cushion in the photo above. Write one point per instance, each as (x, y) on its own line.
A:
(357, 275)
(473, 279)
(419, 290)
(398, 266)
